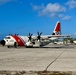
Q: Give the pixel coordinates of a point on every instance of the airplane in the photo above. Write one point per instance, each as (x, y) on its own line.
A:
(31, 41)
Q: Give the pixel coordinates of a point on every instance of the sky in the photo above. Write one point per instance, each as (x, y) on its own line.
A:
(24, 16)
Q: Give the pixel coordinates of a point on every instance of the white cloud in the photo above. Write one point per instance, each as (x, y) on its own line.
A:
(71, 3)
(61, 15)
(53, 14)
(66, 17)
(52, 10)
(5, 1)
(35, 7)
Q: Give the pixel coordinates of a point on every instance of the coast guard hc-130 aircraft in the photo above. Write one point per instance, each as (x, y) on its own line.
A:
(31, 41)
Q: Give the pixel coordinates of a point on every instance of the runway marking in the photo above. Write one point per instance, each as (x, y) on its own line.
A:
(54, 60)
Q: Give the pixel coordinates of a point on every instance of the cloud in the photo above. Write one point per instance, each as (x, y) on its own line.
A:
(51, 10)
(53, 14)
(54, 8)
(5, 1)
(71, 3)
(67, 17)
(64, 17)
(35, 7)
(61, 15)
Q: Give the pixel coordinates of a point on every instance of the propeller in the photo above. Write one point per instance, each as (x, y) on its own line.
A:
(30, 36)
(39, 36)
(16, 34)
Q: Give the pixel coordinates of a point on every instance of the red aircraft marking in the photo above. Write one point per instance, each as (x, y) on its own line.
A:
(19, 40)
(58, 27)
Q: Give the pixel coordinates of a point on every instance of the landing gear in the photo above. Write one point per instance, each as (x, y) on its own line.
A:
(29, 46)
(8, 46)
(15, 45)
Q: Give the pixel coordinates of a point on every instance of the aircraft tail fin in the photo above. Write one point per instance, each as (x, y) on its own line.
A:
(57, 29)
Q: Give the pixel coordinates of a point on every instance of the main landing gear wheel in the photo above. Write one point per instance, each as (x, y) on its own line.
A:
(15, 45)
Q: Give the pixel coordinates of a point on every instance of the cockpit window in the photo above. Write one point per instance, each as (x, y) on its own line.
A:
(7, 37)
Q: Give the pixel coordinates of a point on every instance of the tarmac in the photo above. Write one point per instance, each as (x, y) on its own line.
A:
(48, 58)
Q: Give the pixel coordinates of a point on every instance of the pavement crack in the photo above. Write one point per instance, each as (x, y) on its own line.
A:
(54, 60)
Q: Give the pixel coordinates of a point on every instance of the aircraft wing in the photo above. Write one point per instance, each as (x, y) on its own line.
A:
(49, 37)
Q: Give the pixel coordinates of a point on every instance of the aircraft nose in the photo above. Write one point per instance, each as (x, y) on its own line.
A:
(2, 42)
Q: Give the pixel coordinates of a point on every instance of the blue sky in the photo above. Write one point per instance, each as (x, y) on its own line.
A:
(24, 16)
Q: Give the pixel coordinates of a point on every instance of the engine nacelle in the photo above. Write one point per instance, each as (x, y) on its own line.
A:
(29, 44)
